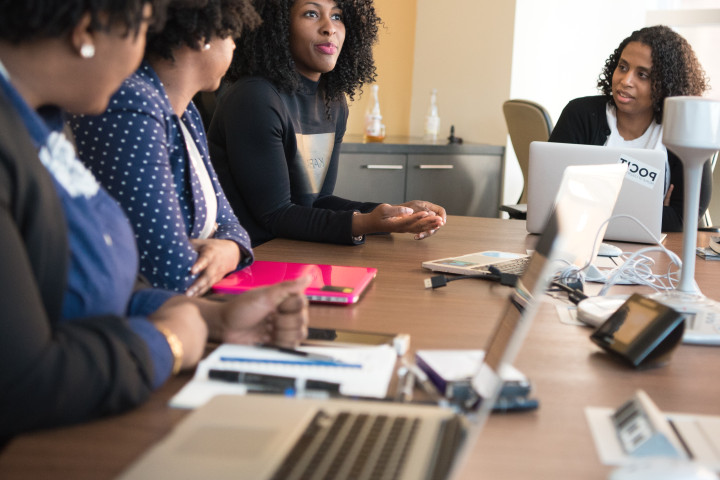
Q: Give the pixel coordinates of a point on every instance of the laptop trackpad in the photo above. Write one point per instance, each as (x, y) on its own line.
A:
(231, 442)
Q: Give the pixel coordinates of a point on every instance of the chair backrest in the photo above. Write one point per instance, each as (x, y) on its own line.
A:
(713, 210)
(526, 122)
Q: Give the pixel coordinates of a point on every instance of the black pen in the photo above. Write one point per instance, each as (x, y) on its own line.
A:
(274, 383)
(299, 353)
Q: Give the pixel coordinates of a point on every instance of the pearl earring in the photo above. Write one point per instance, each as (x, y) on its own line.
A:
(87, 50)
(206, 46)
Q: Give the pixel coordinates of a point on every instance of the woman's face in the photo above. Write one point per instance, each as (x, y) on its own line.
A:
(631, 87)
(117, 55)
(317, 33)
(216, 60)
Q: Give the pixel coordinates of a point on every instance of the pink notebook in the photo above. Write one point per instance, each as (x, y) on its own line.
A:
(330, 284)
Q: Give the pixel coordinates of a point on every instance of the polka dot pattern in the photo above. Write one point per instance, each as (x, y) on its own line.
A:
(137, 152)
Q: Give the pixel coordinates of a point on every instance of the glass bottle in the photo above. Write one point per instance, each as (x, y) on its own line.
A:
(432, 120)
(374, 128)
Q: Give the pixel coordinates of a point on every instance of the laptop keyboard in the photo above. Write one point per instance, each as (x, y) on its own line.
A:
(516, 266)
(352, 446)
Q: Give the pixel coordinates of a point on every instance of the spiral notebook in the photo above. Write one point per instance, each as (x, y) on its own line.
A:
(330, 283)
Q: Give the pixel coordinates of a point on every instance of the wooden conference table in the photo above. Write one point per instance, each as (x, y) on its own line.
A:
(568, 372)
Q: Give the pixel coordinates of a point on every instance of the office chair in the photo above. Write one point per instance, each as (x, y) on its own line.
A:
(526, 122)
(706, 222)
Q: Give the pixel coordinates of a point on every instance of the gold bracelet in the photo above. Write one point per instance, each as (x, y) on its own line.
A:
(176, 347)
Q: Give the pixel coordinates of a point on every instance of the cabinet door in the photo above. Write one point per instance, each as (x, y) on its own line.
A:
(371, 177)
(463, 184)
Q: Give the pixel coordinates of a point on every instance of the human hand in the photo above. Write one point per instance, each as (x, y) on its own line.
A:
(276, 314)
(397, 219)
(184, 319)
(421, 205)
(216, 258)
(666, 201)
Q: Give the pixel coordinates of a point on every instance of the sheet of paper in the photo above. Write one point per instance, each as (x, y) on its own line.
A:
(701, 434)
(377, 364)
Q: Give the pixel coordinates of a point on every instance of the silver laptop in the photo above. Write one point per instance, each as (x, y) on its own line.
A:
(273, 437)
(641, 195)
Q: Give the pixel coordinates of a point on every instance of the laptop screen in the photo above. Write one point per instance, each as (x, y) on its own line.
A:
(586, 198)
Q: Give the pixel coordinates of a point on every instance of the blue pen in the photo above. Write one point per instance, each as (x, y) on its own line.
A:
(313, 363)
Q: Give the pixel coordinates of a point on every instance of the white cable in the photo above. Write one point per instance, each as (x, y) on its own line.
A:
(636, 267)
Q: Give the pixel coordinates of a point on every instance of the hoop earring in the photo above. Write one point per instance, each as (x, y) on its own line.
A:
(87, 50)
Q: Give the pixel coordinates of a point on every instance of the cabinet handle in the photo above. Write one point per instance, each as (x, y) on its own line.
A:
(436, 167)
(384, 167)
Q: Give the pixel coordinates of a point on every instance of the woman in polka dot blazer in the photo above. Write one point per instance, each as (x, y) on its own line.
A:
(149, 149)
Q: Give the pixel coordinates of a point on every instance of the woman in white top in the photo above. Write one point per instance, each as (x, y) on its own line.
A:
(648, 66)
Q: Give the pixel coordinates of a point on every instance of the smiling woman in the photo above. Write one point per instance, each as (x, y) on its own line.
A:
(276, 133)
(647, 67)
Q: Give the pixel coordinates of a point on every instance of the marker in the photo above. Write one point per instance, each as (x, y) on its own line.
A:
(307, 363)
(276, 383)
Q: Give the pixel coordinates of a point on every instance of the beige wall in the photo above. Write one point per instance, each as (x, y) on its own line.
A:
(394, 61)
(461, 47)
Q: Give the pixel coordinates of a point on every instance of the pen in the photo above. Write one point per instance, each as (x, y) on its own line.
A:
(309, 362)
(273, 382)
(299, 353)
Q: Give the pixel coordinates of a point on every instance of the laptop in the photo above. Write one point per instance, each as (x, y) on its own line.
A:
(641, 195)
(330, 283)
(273, 437)
(479, 263)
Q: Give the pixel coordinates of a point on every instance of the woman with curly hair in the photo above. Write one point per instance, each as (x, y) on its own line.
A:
(650, 65)
(149, 149)
(276, 133)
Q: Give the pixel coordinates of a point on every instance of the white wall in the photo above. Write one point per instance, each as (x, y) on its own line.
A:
(560, 47)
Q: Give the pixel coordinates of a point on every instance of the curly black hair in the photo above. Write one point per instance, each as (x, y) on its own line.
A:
(266, 51)
(192, 22)
(25, 20)
(675, 68)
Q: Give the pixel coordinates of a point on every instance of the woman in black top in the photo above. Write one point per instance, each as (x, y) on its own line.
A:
(276, 133)
(648, 66)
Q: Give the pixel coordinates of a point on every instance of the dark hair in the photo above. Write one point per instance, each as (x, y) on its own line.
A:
(29, 20)
(266, 51)
(192, 22)
(675, 68)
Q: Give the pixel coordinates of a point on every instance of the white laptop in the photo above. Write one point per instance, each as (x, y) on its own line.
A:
(641, 195)
(274, 437)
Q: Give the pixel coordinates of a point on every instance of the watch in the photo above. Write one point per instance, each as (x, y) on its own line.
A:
(358, 238)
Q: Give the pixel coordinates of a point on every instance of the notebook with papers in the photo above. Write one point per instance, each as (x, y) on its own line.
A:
(330, 283)
(641, 195)
(275, 437)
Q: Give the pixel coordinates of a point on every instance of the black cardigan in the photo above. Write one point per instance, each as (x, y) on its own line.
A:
(584, 120)
(52, 372)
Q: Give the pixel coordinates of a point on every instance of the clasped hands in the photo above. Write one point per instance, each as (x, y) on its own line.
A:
(418, 216)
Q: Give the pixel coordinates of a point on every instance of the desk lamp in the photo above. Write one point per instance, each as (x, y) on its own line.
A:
(691, 130)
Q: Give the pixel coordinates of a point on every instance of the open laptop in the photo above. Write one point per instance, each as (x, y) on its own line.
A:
(274, 437)
(641, 195)
(330, 283)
